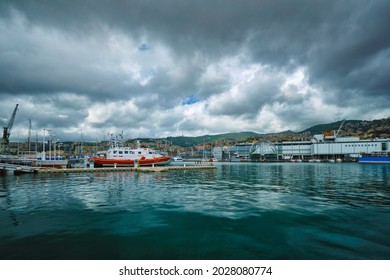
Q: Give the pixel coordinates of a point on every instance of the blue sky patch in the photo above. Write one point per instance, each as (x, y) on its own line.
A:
(191, 99)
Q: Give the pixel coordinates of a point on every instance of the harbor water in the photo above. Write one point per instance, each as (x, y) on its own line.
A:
(266, 211)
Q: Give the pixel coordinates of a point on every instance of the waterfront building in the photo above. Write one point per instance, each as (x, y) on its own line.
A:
(264, 151)
(348, 147)
(322, 147)
(293, 149)
(243, 150)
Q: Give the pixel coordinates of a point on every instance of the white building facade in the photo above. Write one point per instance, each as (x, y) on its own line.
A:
(318, 148)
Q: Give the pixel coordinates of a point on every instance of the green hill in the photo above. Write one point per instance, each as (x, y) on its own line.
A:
(320, 128)
(363, 129)
(185, 141)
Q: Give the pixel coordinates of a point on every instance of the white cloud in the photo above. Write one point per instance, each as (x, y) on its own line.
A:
(158, 77)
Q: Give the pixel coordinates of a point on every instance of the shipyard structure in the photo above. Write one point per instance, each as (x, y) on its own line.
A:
(322, 147)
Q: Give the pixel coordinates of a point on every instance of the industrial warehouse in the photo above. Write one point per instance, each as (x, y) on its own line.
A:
(322, 147)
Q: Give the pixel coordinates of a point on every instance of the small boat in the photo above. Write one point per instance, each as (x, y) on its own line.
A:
(38, 160)
(234, 157)
(49, 162)
(379, 157)
(120, 156)
(177, 159)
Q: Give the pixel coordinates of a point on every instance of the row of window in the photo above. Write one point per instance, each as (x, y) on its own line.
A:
(361, 145)
(130, 152)
(125, 152)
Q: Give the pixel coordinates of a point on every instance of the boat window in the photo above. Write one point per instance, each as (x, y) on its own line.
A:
(114, 152)
(126, 152)
(139, 153)
(120, 152)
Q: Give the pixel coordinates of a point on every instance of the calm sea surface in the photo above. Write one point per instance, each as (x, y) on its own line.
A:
(237, 211)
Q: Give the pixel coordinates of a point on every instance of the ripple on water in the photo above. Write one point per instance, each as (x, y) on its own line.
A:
(238, 211)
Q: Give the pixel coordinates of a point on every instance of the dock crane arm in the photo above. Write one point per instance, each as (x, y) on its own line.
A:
(7, 129)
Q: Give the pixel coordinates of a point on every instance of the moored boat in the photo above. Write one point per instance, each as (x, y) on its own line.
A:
(42, 161)
(120, 156)
(39, 160)
(50, 163)
(379, 157)
(234, 157)
(178, 159)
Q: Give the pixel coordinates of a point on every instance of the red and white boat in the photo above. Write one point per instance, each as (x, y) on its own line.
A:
(120, 156)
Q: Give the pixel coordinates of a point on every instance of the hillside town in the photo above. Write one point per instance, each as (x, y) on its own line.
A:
(343, 140)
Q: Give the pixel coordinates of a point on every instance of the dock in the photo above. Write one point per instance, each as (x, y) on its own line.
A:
(37, 170)
(124, 169)
(17, 169)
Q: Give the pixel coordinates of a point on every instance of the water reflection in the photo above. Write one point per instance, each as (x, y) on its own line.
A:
(230, 190)
(268, 210)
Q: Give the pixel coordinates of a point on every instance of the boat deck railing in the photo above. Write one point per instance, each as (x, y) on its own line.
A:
(378, 154)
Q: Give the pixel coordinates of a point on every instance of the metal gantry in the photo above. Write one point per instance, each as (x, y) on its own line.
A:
(7, 131)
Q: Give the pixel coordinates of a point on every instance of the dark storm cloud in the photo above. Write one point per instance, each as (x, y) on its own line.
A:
(333, 37)
(355, 55)
(75, 58)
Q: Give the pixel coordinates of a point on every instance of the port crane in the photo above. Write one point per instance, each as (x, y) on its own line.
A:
(341, 125)
(332, 135)
(7, 131)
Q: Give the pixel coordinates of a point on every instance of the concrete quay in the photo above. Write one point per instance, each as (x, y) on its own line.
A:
(16, 169)
(123, 169)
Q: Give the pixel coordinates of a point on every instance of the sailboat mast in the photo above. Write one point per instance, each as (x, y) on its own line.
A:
(29, 136)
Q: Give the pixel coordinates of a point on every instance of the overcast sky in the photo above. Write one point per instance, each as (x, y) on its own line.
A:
(176, 67)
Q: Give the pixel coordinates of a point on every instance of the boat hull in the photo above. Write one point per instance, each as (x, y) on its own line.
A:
(40, 163)
(55, 163)
(375, 159)
(103, 162)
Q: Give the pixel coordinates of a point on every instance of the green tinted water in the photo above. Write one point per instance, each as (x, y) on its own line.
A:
(238, 211)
